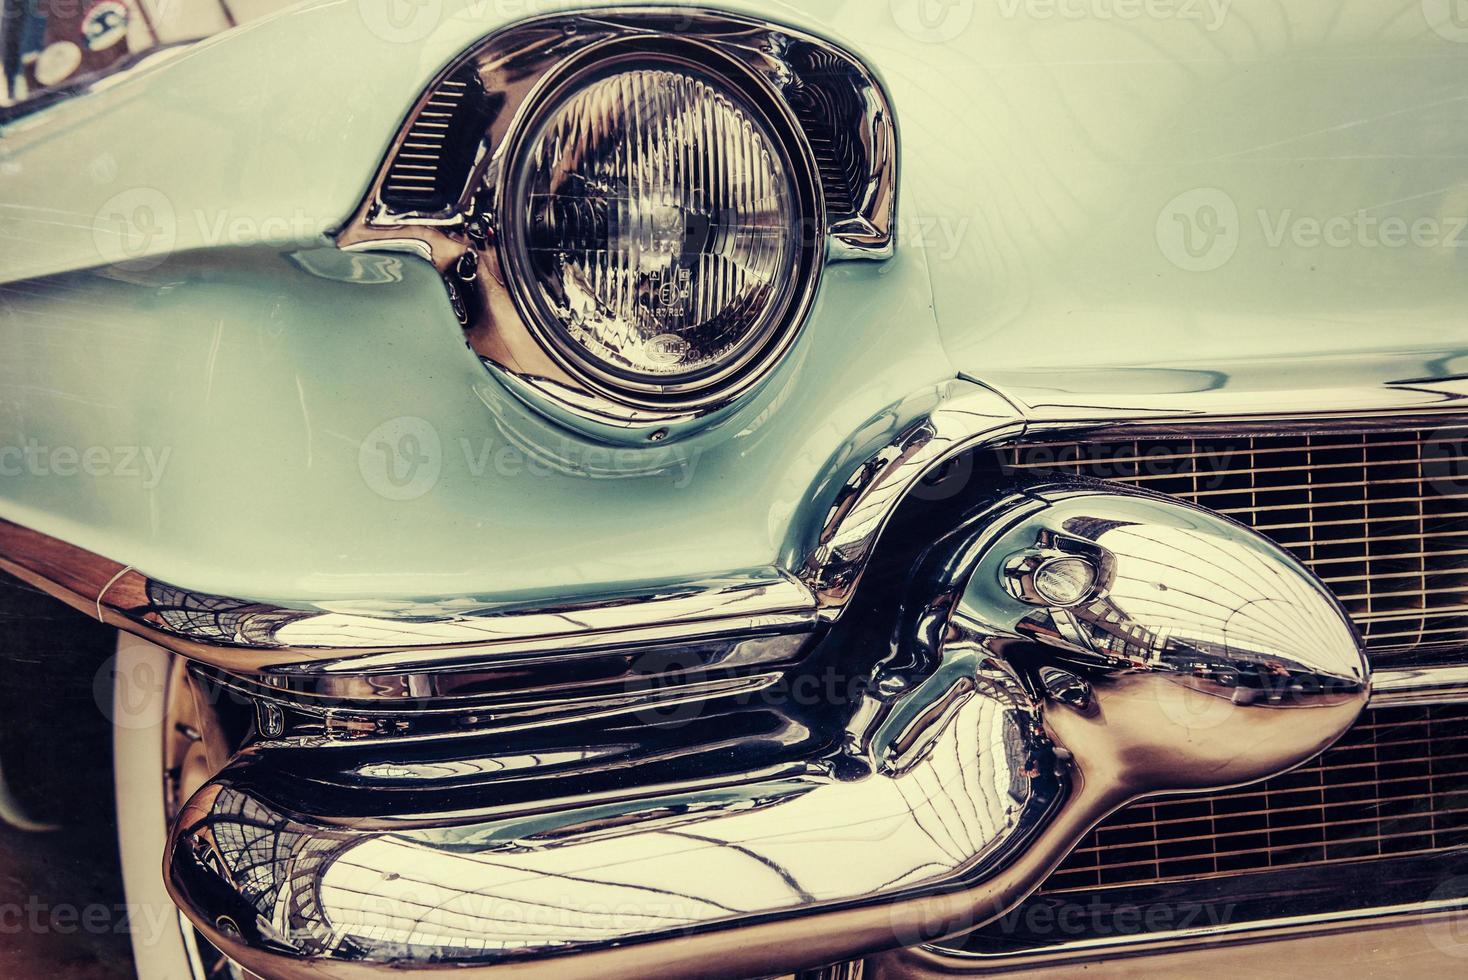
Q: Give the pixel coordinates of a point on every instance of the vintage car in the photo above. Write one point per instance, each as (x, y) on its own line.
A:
(926, 488)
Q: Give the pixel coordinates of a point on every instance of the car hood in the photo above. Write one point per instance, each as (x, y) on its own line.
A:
(1144, 205)
(1170, 206)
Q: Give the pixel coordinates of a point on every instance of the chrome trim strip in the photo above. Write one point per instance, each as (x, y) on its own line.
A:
(953, 418)
(1405, 687)
(925, 961)
(373, 635)
(429, 720)
(366, 636)
(1247, 409)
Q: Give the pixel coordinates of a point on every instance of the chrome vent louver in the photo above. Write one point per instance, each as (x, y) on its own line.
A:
(432, 163)
(830, 110)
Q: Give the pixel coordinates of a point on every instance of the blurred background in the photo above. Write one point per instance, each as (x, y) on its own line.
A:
(62, 910)
(53, 46)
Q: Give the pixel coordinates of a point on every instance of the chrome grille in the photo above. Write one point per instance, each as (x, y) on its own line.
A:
(1380, 516)
(1396, 784)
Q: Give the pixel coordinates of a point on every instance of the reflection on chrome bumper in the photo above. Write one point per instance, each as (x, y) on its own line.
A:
(959, 765)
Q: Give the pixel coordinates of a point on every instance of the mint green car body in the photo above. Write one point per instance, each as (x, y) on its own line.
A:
(1149, 216)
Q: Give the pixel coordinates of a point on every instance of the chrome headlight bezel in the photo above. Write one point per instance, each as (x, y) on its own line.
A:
(786, 314)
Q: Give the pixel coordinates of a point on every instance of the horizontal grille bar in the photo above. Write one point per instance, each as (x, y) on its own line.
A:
(1254, 470)
(1299, 487)
(1051, 455)
(1337, 504)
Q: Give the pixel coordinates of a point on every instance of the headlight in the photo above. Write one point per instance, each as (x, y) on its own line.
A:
(658, 226)
(631, 207)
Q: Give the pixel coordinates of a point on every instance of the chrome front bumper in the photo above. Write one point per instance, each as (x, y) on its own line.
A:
(473, 785)
(961, 739)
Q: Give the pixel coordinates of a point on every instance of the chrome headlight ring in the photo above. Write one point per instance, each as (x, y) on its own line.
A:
(453, 190)
(796, 234)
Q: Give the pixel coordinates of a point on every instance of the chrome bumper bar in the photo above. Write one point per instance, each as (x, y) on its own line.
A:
(939, 785)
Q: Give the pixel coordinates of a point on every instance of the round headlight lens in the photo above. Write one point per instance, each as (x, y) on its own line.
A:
(655, 222)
